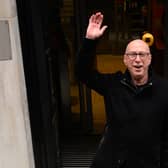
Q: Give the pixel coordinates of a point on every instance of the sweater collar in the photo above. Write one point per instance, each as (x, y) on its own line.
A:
(126, 80)
(127, 77)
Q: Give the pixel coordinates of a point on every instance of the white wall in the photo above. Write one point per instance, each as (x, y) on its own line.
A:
(15, 136)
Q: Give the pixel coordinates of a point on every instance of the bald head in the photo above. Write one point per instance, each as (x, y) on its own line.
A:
(136, 44)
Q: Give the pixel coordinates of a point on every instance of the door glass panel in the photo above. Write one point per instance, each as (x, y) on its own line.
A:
(67, 22)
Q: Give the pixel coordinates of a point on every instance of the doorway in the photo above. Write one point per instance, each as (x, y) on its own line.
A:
(62, 110)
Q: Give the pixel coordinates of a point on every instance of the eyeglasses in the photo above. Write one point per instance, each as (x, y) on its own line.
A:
(133, 55)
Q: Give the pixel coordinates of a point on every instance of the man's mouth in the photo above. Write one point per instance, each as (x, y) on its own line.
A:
(138, 67)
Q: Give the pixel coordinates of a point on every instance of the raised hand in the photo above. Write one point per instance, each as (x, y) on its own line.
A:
(94, 29)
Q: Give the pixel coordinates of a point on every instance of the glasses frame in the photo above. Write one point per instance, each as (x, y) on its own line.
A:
(133, 55)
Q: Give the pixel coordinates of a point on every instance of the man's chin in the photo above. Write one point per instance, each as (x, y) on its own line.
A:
(138, 76)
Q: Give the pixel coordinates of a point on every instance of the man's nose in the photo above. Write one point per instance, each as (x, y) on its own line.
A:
(137, 58)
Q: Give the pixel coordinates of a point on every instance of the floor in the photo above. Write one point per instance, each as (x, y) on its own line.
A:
(78, 151)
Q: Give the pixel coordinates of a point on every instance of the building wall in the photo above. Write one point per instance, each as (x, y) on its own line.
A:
(15, 136)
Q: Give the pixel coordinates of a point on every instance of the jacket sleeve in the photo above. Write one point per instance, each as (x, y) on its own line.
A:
(85, 68)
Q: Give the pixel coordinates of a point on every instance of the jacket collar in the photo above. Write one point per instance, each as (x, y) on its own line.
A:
(126, 80)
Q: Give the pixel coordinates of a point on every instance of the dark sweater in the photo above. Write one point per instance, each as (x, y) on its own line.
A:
(137, 117)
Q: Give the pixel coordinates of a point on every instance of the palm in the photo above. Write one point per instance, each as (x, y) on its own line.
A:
(94, 29)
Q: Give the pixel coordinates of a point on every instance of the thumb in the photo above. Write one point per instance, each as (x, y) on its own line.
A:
(103, 29)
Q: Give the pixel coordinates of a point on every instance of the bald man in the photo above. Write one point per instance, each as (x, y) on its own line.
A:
(136, 103)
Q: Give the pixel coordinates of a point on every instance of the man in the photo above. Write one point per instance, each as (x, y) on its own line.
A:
(136, 132)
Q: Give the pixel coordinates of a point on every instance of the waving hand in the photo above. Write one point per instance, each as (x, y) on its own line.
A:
(94, 29)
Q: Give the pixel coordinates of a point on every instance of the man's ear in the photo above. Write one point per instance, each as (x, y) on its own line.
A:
(125, 60)
(150, 59)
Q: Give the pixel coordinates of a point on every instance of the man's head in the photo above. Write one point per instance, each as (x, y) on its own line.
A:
(137, 59)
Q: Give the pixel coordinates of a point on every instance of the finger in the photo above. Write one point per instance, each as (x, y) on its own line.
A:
(92, 19)
(103, 29)
(98, 17)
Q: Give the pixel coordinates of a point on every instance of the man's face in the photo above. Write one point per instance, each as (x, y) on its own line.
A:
(137, 58)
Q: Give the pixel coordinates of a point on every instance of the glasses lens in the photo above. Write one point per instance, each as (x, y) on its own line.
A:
(133, 55)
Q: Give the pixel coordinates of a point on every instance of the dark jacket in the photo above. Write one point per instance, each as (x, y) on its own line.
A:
(137, 118)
